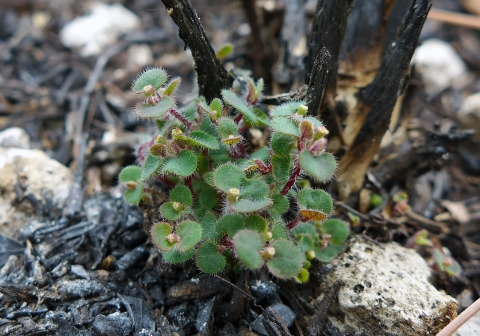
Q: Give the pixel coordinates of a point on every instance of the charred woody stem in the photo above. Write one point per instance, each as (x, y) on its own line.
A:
(212, 77)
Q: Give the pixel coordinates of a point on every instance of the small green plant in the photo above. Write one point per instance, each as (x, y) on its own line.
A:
(438, 257)
(227, 205)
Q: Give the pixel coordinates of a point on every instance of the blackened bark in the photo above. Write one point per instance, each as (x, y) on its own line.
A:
(279, 99)
(362, 46)
(318, 81)
(212, 77)
(328, 30)
(382, 95)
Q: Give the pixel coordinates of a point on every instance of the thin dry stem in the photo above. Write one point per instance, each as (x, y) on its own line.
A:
(457, 19)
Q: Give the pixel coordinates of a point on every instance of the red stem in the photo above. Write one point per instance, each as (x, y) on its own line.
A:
(182, 119)
(238, 118)
(291, 181)
(238, 151)
(188, 183)
(294, 222)
(226, 242)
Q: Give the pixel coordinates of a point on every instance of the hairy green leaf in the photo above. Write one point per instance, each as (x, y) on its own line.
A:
(181, 194)
(184, 165)
(304, 229)
(191, 234)
(287, 261)
(176, 257)
(253, 189)
(134, 196)
(246, 205)
(228, 176)
(282, 144)
(130, 173)
(209, 260)
(227, 127)
(285, 126)
(321, 168)
(155, 77)
(281, 168)
(315, 199)
(247, 244)
(337, 228)
(278, 230)
(159, 233)
(202, 139)
(230, 224)
(233, 100)
(148, 111)
(262, 118)
(208, 197)
(280, 204)
(306, 243)
(168, 212)
(261, 154)
(208, 224)
(152, 163)
(256, 223)
(217, 106)
(328, 253)
(286, 109)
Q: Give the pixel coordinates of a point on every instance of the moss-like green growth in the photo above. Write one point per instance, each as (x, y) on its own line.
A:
(227, 203)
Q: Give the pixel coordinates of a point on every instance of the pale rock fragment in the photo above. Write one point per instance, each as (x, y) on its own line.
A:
(99, 29)
(438, 65)
(386, 292)
(34, 178)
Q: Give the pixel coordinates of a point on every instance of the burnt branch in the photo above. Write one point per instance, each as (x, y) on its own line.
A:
(212, 77)
(318, 81)
(279, 99)
(328, 29)
(362, 47)
(381, 95)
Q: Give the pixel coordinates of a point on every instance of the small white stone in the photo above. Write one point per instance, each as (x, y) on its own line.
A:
(45, 179)
(469, 114)
(438, 64)
(386, 292)
(244, 29)
(14, 137)
(99, 29)
(140, 56)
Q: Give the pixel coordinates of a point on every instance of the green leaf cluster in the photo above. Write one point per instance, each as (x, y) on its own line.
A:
(227, 205)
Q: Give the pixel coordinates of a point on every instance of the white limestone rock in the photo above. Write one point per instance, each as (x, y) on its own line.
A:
(438, 64)
(14, 137)
(386, 292)
(37, 177)
(99, 29)
(469, 114)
